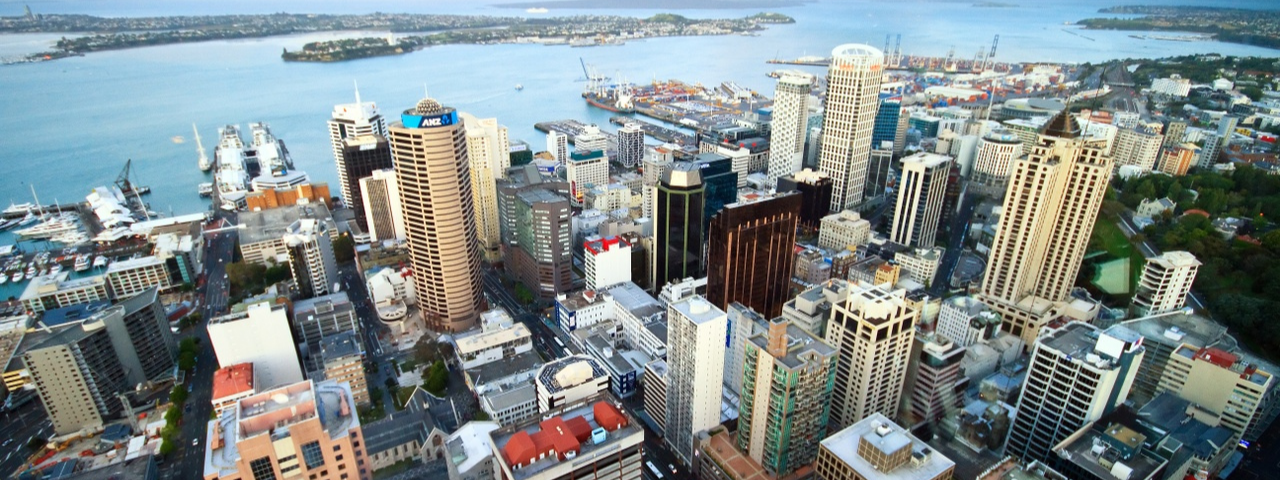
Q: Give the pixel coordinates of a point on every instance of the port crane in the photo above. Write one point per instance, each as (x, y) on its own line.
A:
(896, 61)
(990, 62)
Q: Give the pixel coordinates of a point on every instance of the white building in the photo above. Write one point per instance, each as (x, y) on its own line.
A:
(853, 99)
(590, 140)
(872, 329)
(382, 212)
(843, 230)
(480, 347)
(586, 169)
(57, 291)
(1139, 147)
(259, 335)
(1174, 86)
(570, 380)
(558, 146)
(608, 262)
(920, 264)
(696, 332)
(790, 120)
(996, 152)
(489, 154)
(1166, 279)
(130, 277)
(630, 145)
(311, 257)
(967, 321)
(920, 194)
(350, 120)
(1223, 84)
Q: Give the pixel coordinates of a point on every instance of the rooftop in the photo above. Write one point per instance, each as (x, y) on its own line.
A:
(233, 380)
(886, 436)
(74, 313)
(495, 371)
(341, 345)
(274, 223)
(569, 372)
(133, 263)
(471, 444)
(398, 429)
(698, 309)
(722, 448)
(580, 432)
(61, 282)
(482, 341)
(143, 467)
(1084, 342)
(273, 412)
(1089, 451)
(803, 348)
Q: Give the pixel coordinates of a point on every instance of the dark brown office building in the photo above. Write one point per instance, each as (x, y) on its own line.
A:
(750, 253)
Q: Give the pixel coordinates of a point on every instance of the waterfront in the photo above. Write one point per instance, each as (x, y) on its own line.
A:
(74, 122)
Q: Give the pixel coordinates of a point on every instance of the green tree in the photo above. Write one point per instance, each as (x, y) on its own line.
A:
(178, 395)
(167, 447)
(246, 277)
(437, 380)
(173, 416)
(187, 360)
(344, 249)
(276, 274)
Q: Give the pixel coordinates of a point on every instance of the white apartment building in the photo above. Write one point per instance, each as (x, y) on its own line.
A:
(790, 121)
(630, 145)
(996, 152)
(57, 291)
(130, 277)
(558, 146)
(1175, 86)
(1137, 146)
(967, 321)
(586, 169)
(489, 155)
(254, 336)
(695, 358)
(311, 257)
(1166, 279)
(607, 262)
(382, 211)
(920, 264)
(1223, 388)
(843, 230)
(350, 120)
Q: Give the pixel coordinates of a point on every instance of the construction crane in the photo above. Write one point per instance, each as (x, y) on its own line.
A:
(897, 52)
(991, 56)
(887, 53)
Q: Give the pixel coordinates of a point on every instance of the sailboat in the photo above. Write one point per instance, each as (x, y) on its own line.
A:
(204, 163)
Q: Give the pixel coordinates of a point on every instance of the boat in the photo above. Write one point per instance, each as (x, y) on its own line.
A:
(17, 277)
(7, 224)
(100, 261)
(31, 270)
(82, 262)
(519, 87)
(205, 189)
(44, 271)
(55, 269)
(28, 220)
(203, 163)
(48, 228)
(75, 237)
(18, 209)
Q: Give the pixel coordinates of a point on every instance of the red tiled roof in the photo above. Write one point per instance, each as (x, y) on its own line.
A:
(1217, 357)
(232, 380)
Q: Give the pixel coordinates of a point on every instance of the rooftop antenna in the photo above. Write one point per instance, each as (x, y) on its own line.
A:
(357, 84)
(425, 93)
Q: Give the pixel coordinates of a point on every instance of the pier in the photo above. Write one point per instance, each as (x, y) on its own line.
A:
(668, 135)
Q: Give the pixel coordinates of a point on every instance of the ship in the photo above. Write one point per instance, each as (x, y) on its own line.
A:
(203, 162)
(205, 189)
(17, 277)
(231, 179)
(18, 210)
(82, 262)
(48, 228)
(7, 224)
(611, 100)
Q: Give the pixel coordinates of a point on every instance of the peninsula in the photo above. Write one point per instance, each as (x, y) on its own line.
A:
(1235, 25)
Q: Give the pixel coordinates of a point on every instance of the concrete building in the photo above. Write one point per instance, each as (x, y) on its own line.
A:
(262, 233)
(878, 449)
(569, 381)
(342, 357)
(696, 332)
(590, 442)
(231, 384)
(843, 230)
(967, 321)
(404, 436)
(875, 270)
(1138, 146)
(853, 89)
(254, 336)
(811, 309)
(920, 264)
(1174, 85)
(630, 145)
(489, 154)
(750, 253)
(919, 205)
(429, 147)
(1175, 161)
(558, 146)
(811, 267)
(655, 393)
(349, 121)
(315, 270)
(475, 349)
(1223, 388)
(58, 291)
(542, 256)
(787, 383)
(872, 329)
(815, 195)
(316, 319)
(996, 152)
(678, 225)
(608, 262)
(1210, 151)
(1175, 132)
(1165, 282)
(584, 170)
(384, 216)
(471, 452)
(1077, 374)
(129, 277)
(361, 156)
(1054, 194)
(934, 380)
(790, 120)
(308, 427)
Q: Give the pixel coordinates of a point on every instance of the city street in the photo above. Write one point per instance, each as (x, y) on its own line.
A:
(17, 428)
(955, 245)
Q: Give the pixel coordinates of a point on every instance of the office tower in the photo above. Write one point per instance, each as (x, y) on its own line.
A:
(1209, 152)
(655, 392)
(655, 161)
(489, 154)
(1165, 282)
(542, 255)
(787, 381)
(1077, 374)
(586, 169)
(886, 126)
(558, 146)
(383, 213)
(1175, 161)
(301, 429)
(1174, 132)
(750, 253)
(143, 340)
(872, 327)
(311, 260)
(630, 145)
(596, 441)
(843, 230)
(811, 309)
(878, 449)
(1138, 146)
(853, 88)
(1053, 198)
(361, 156)
(790, 120)
(967, 321)
(1224, 388)
(316, 319)
(720, 181)
(677, 232)
(815, 195)
(255, 336)
(743, 324)
(590, 140)
(933, 380)
(696, 331)
(429, 147)
(351, 120)
(342, 359)
(996, 152)
(607, 262)
(915, 216)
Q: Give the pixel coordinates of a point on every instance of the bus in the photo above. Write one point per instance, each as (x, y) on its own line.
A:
(558, 342)
(654, 470)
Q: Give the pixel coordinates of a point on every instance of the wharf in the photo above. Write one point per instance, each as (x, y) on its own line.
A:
(56, 208)
(696, 106)
(572, 128)
(668, 135)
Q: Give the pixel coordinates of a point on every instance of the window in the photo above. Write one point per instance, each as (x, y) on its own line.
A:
(312, 455)
(262, 469)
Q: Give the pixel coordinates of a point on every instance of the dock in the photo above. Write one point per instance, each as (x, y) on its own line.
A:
(57, 208)
(668, 135)
(572, 128)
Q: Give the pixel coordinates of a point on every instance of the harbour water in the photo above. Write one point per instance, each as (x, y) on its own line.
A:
(70, 124)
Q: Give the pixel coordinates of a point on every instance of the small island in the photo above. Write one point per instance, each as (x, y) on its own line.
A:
(996, 5)
(1234, 25)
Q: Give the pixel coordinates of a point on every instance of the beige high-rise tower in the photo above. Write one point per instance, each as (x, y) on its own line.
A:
(430, 151)
(1050, 205)
(490, 155)
(853, 99)
(872, 330)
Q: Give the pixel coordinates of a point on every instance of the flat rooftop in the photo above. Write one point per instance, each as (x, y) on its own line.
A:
(272, 224)
(803, 348)
(233, 380)
(272, 413)
(884, 435)
(569, 372)
(486, 340)
(698, 309)
(1081, 453)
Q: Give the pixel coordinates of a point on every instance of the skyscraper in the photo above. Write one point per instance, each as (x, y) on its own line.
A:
(558, 146)
(790, 121)
(920, 191)
(853, 89)
(585, 169)
(750, 253)
(430, 151)
(488, 151)
(677, 244)
(352, 120)
(886, 127)
(696, 331)
(873, 329)
(1138, 146)
(630, 145)
(361, 155)
(815, 195)
(382, 212)
(1052, 200)
(1165, 282)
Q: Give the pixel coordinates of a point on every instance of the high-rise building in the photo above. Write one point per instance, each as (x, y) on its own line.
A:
(311, 257)
(681, 200)
(383, 214)
(361, 156)
(886, 127)
(696, 332)
(853, 89)
(750, 253)
(429, 147)
(879, 174)
(317, 319)
(1174, 133)
(1166, 279)
(1052, 201)
(790, 120)
(967, 321)
(590, 140)
(920, 264)
(1138, 146)
(720, 180)
(584, 170)
(656, 161)
(875, 448)
(307, 427)
(342, 358)
(558, 146)
(1175, 161)
(542, 255)
(1224, 388)
(1209, 152)
(630, 145)
(815, 195)
(873, 328)
(350, 120)
(786, 394)
(843, 230)
(1077, 374)
(254, 336)
(920, 191)
(996, 152)
(1227, 128)
(607, 262)
(933, 380)
(488, 151)
(130, 277)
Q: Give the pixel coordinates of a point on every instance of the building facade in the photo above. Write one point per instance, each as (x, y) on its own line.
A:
(351, 120)
(878, 449)
(489, 154)
(872, 327)
(843, 230)
(383, 214)
(920, 195)
(311, 260)
(996, 152)
(853, 89)
(630, 145)
(790, 120)
(750, 253)
(607, 262)
(1165, 282)
(253, 336)
(361, 156)
(696, 332)
(678, 225)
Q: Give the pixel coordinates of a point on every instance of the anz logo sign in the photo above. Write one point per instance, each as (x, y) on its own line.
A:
(418, 121)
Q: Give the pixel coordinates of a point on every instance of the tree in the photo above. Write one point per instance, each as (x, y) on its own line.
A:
(437, 380)
(187, 360)
(167, 447)
(173, 416)
(276, 274)
(178, 395)
(344, 249)
(36, 443)
(246, 277)
(188, 344)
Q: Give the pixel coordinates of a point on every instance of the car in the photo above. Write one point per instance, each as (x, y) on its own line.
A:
(672, 467)
(195, 442)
